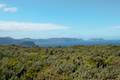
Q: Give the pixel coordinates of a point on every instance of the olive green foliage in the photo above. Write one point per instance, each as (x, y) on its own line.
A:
(69, 63)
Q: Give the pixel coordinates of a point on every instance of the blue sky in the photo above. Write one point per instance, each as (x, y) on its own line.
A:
(60, 18)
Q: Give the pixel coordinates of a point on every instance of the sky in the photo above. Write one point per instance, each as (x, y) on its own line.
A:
(60, 18)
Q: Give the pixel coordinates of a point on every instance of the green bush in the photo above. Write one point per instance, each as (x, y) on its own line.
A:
(69, 63)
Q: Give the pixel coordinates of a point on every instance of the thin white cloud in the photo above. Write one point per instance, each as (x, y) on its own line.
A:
(23, 26)
(116, 27)
(2, 6)
(10, 9)
(112, 28)
(6, 8)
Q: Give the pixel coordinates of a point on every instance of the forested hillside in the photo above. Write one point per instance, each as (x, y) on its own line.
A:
(69, 63)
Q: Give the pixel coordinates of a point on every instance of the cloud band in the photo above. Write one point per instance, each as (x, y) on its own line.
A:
(23, 26)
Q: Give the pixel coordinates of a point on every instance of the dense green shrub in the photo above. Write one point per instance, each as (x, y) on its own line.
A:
(69, 63)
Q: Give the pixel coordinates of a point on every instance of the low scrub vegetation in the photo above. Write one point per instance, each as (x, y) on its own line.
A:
(70, 63)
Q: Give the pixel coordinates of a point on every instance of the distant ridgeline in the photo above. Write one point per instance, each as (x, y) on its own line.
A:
(55, 42)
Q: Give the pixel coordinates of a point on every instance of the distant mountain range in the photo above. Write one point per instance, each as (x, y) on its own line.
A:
(55, 42)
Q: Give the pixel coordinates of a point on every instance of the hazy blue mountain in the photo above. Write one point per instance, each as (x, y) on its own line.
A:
(11, 41)
(58, 42)
(8, 40)
(53, 42)
(27, 44)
